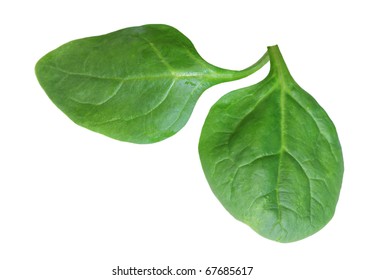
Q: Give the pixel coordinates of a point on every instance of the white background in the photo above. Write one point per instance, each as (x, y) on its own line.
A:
(75, 204)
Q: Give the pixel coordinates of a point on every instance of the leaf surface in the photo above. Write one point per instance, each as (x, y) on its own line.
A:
(272, 156)
(138, 84)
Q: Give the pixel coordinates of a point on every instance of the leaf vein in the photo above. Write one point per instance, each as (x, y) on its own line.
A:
(186, 103)
(159, 55)
(268, 94)
(144, 114)
(316, 123)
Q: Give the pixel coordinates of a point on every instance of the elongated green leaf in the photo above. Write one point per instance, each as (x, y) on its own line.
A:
(138, 84)
(272, 156)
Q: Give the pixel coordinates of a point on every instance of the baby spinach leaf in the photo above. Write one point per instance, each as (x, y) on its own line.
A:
(138, 84)
(272, 156)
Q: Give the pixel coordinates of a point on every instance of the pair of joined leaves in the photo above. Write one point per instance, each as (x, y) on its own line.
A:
(269, 152)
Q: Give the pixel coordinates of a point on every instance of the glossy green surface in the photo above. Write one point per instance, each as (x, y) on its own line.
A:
(138, 84)
(272, 156)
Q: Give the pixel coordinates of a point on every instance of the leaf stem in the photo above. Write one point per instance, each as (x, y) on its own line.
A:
(277, 63)
(254, 67)
(230, 75)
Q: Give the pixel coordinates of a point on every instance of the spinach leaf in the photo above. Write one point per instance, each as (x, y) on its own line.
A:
(138, 84)
(272, 156)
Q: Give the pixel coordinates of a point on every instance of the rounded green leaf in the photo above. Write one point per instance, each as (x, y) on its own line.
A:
(138, 84)
(272, 156)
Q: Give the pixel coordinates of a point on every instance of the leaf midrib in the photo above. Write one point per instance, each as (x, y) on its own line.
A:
(282, 87)
(282, 82)
(174, 75)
